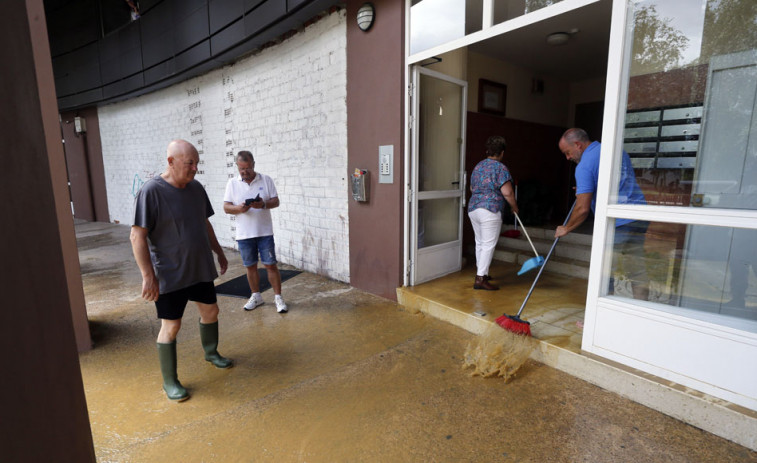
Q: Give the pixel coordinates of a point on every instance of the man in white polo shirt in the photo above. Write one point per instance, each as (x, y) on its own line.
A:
(250, 197)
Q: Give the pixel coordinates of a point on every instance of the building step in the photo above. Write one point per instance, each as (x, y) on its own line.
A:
(571, 256)
(565, 249)
(561, 265)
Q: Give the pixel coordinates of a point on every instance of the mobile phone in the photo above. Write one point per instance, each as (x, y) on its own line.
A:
(249, 201)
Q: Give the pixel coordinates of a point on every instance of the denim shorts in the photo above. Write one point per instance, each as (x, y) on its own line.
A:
(171, 305)
(252, 247)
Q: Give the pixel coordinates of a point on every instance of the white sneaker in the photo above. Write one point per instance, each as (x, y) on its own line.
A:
(281, 306)
(255, 300)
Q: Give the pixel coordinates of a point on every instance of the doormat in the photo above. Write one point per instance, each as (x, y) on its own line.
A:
(239, 287)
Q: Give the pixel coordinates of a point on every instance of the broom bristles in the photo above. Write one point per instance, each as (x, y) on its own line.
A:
(514, 325)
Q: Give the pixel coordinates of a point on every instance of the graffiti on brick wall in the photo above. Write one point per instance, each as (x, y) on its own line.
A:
(137, 182)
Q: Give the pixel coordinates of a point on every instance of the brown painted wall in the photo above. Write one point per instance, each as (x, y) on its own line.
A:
(44, 411)
(85, 166)
(375, 109)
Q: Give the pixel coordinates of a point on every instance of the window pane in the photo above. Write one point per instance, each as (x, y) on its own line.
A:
(435, 22)
(438, 221)
(439, 135)
(708, 270)
(505, 10)
(690, 125)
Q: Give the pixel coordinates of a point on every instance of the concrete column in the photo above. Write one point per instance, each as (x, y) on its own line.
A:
(375, 108)
(44, 411)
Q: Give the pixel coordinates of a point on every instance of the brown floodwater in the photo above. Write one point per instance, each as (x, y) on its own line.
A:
(347, 376)
(498, 353)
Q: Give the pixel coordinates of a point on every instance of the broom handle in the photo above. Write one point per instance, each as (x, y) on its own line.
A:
(526, 233)
(541, 269)
(516, 200)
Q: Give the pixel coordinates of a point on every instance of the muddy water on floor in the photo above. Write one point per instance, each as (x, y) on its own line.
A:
(498, 352)
(346, 376)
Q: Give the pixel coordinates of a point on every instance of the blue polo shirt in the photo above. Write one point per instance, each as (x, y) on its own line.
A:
(587, 177)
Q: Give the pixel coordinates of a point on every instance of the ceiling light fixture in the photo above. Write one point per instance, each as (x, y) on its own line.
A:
(558, 38)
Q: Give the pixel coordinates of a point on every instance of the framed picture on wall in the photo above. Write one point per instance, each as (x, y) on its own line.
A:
(492, 97)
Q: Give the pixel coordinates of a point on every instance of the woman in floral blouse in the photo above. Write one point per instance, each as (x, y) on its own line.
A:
(491, 185)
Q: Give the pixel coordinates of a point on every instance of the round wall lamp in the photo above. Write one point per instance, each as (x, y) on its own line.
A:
(365, 16)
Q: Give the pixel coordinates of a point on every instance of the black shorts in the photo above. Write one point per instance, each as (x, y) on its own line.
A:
(171, 305)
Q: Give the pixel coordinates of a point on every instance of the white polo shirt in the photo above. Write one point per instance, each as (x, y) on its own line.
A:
(255, 222)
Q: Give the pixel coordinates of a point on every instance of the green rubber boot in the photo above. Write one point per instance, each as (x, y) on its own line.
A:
(209, 339)
(167, 355)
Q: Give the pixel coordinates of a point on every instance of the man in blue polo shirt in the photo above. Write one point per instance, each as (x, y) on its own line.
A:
(628, 252)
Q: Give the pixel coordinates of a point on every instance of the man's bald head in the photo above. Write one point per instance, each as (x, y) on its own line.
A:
(180, 148)
(182, 158)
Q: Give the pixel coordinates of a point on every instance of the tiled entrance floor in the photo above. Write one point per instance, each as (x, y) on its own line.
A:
(555, 308)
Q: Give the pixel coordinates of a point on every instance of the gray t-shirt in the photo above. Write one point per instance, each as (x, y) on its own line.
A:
(176, 230)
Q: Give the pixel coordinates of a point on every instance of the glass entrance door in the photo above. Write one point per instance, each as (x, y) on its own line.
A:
(437, 177)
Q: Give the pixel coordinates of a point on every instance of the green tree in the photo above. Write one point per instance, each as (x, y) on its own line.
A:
(657, 46)
(533, 5)
(729, 26)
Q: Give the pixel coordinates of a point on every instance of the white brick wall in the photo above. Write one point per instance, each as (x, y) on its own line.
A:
(286, 104)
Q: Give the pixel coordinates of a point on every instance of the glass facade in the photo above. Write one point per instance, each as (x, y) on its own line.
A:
(691, 99)
(690, 130)
(707, 269)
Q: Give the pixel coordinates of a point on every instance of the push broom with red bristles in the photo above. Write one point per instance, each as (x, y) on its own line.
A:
(513, 323)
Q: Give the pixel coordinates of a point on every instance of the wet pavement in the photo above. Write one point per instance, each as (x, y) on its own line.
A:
(344, 376)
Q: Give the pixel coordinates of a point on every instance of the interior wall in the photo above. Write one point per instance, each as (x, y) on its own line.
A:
(551, 107)
(453, 64)
(582, 92)
(534, 160)
(375, 104)
(44, 410)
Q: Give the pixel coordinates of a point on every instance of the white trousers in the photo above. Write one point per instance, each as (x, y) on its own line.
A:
(486, 226)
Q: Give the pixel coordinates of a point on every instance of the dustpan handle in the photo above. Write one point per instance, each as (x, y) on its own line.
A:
(544, 264)
(526, 233)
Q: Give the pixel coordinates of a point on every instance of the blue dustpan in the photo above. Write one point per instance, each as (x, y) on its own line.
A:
(530, 264)
(534, 262)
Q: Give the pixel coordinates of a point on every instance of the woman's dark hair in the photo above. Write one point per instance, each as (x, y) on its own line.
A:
(495, 145)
